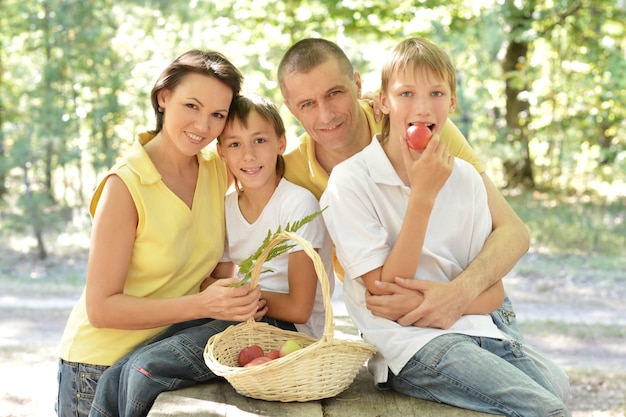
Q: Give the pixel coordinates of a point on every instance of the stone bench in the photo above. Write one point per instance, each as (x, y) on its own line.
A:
(361, 399)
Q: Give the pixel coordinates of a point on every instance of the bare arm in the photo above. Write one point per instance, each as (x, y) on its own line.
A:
(113, 236)
(487, 301)
(222, 270)
(297, 305)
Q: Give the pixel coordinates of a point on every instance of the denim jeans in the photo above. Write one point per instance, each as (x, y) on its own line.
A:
(171, 361)
(504, 317)
(77, 387)
(482, 374)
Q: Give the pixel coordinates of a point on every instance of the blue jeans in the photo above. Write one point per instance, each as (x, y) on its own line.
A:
(504, 317)
(174, 360)
(482, 374)
(77, 387)
(78, 381)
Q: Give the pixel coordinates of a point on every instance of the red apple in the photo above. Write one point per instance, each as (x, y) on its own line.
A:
(273, 354)
(418, 136)
(249, 353)
(257, 361)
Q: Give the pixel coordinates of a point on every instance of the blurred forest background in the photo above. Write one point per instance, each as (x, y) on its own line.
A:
(542, 88)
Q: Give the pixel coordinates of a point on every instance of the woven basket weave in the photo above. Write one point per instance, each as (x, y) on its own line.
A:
(321, 369)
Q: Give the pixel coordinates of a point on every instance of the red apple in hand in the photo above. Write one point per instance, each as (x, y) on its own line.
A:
(418, 136)
(249, 353)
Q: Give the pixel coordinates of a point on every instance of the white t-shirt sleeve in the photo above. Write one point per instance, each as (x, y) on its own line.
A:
(302, 203)
(361, 243)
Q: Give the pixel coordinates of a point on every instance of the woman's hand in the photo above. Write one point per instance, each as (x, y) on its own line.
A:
(222, 302)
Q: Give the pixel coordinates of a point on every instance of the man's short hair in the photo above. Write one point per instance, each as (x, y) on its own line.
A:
(307, 54)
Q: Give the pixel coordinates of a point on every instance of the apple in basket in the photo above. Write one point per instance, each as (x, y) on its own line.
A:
(273, 354)
(289, 346)
(250, 353)
(257, 361)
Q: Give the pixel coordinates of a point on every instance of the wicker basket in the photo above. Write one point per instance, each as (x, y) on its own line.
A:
(322, 368)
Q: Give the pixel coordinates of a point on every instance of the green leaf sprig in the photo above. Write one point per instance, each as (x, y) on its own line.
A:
(246, 266)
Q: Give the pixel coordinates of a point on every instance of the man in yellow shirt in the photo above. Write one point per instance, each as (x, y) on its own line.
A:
(321, 89)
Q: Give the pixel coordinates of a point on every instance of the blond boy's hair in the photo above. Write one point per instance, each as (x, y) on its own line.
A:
(417, 54)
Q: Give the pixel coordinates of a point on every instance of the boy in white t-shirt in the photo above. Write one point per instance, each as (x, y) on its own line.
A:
(251, 145)
(395, 212)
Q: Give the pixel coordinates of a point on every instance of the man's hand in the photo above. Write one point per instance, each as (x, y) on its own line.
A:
(373, 100)
(442, 306)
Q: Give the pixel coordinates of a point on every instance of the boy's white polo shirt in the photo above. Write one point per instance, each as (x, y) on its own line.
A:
(366, 203)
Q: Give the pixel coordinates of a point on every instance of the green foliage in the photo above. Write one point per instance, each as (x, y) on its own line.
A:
(579, 330)
(75, 79)
(247, 265)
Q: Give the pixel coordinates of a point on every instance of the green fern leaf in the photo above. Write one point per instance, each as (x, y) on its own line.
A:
(246, 266)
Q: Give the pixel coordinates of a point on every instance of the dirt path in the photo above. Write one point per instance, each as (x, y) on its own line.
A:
(30, 332)
(581, 326)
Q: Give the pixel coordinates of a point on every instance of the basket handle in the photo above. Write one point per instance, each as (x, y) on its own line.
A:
(329, 324)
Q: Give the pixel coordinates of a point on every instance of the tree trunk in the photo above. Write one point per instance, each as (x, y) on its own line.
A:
(34, 211)
(519, 171)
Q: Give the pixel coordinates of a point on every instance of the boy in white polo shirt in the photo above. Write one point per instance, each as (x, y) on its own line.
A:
(395, 212)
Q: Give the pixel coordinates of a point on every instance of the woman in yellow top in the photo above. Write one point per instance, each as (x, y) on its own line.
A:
(158, 231)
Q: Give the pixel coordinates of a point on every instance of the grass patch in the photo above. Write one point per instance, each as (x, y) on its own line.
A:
(580, 267)
(576, 330)
(62, 272)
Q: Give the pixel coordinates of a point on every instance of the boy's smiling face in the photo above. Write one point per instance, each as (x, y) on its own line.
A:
(250, 152)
